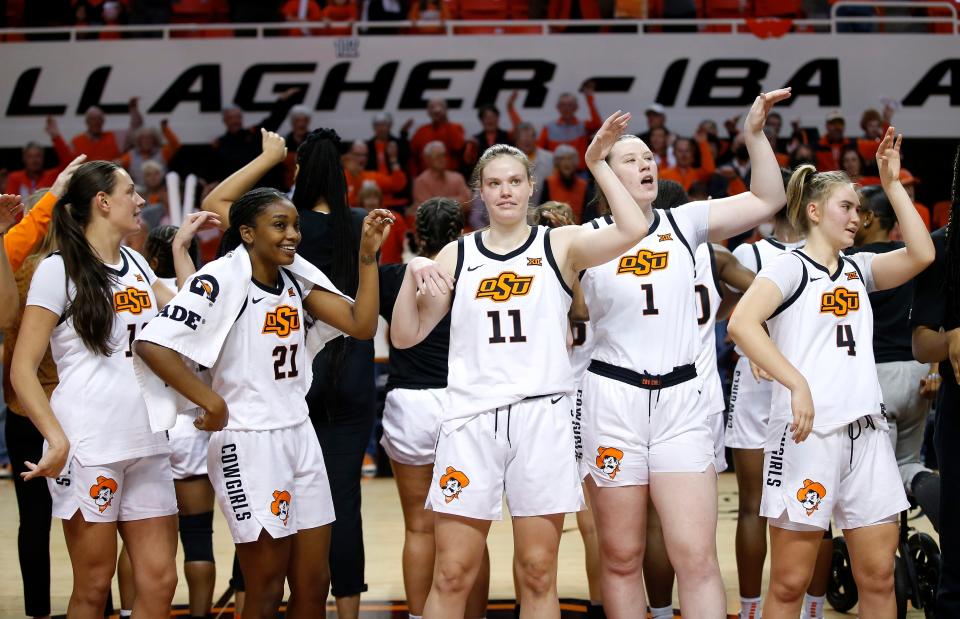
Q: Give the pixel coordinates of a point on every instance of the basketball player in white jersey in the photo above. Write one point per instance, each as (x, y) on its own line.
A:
(507, 415)
(827, 451)
(747, 427)
(107, 471)
(266, 465)
(641, 391)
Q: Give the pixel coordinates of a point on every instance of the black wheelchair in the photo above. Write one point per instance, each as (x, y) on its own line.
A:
(916, 572)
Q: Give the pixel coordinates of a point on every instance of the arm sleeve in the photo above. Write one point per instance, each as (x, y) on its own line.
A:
(23, 237)
(785, 271)
(864, 261)
(48, 289)
(694, 222)
(929, 307)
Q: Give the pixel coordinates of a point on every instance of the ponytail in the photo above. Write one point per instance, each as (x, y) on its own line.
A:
(439, 221)
(807, 185)
(91, 308)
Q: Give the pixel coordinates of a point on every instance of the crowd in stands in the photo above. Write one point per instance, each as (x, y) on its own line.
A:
(399, 168)
(429, 15)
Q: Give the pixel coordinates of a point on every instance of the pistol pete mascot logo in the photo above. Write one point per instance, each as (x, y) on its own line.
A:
(131, 300)
(102, 492)
(452, 483)
(608, 460)
(502, 287)
(811, 495)
(643, 262)
(281, 505)
(839, 302)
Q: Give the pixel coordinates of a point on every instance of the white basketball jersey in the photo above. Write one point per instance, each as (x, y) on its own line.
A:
(824, 327)
(707, 288)
(263, 372)
(642, 304)
(508, 326)
(97, 401)
(755, 256)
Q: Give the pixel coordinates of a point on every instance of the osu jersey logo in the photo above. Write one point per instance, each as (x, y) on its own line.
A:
(839, 302)
(131, 300)
(810, 495)
(206, 286)
(504, 286)
(280, 507)
(608, 460)
(102, 492)
(643, 263)
(282, 321)
(452, 483)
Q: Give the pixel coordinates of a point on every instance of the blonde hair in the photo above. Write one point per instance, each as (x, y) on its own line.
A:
(499, 150)
(369, 189)
(535, 214)
(807, 185)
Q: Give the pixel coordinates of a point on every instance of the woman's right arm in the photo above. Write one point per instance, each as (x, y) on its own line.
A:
(240, 182)
(424, 297)
(169, 366)
(746, 328)
(34, 338)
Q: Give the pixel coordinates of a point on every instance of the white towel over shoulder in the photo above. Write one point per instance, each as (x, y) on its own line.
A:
(199, 318)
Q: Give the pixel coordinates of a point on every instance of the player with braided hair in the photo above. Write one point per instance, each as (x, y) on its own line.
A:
(935, 321)
(413, 411)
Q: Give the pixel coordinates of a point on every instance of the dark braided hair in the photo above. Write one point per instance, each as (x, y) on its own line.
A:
(321, 178)
(952, 259)
(439, 221)
(244, 212)
(91, 308)
(875, 200)
(159, 246)
(670, 194)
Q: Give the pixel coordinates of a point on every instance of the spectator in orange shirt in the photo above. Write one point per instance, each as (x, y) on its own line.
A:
(831, 145)
(377, 161)
(565, 185)
(874, 125)
(438, 181)
(32, 177)
(910, 182)
(354, 162)
(96, 143)
(684, 171)
(391, 250)
(339, 11)
(852, 163)
(442, 129)
(568, 129)
(291, 12)
(148, 146)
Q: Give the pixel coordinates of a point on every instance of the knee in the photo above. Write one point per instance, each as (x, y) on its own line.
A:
(453, 576)
(695, 564)
(422, 524)
(622, 558)
(876, 577)
(93, 587)
(788, 586)
(158, 579)
(537, 573)
(748, 506)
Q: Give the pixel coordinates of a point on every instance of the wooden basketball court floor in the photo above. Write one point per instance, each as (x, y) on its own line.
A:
(383, 533)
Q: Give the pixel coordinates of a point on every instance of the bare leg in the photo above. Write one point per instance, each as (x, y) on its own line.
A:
(793, 555)
(751, 541)
(536, 542)
(657, 571)
(93, 556)
(591, 549)
(125, 580)
(152, 546)
(195, 496)
(309, 574)
(264, 563)
(872, 552)
(460, 546)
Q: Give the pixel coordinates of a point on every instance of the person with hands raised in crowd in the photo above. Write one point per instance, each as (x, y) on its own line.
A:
(107, 470)
(513, 285)
(827, 451)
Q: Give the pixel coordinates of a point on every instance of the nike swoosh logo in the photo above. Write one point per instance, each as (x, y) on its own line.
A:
(815, 279)
(552, 401)
(474, 268)
(258, 300)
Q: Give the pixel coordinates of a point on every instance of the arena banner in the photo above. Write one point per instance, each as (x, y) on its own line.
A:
(346, 81)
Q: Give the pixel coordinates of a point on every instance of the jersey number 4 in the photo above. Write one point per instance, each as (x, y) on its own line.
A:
(280, 362)
(497, 337)
(845, 339)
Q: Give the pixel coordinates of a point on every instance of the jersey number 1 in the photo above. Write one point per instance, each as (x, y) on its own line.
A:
(497, 337)
(280, 360)
(845, 339)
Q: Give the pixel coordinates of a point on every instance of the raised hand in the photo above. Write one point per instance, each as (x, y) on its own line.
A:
(63, 179)
(613, 127)
(10, 207)
(376, 227)
(757, 116)
(52, 128)
(193, 223)
(274, 146)
(888, 156)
